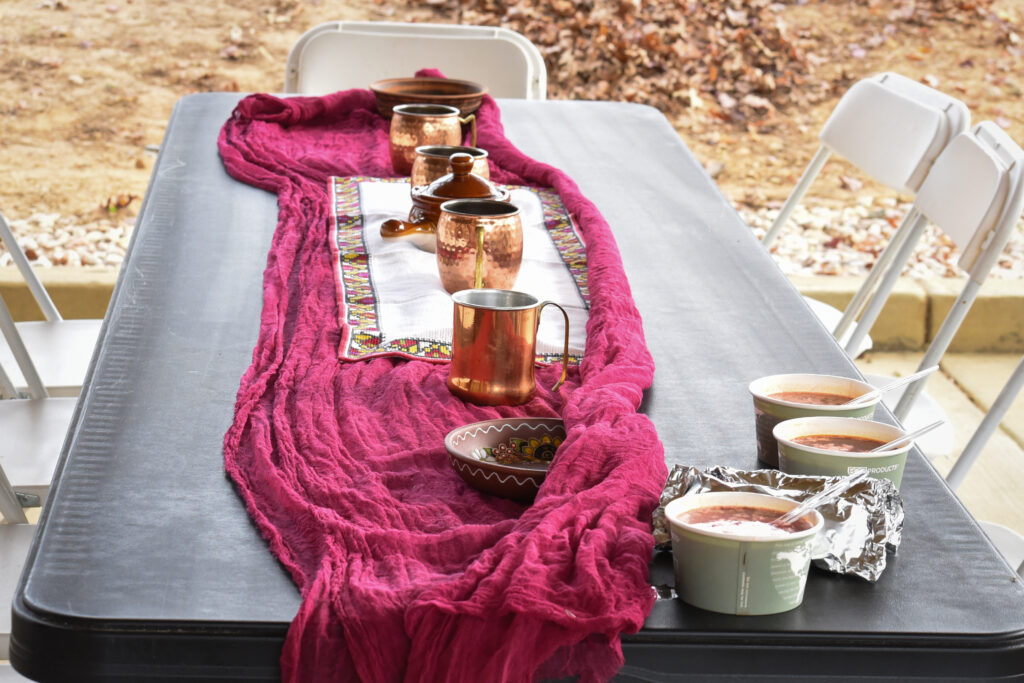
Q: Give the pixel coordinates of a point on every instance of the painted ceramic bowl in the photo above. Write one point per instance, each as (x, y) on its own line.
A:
(465, 95)
(507, 458)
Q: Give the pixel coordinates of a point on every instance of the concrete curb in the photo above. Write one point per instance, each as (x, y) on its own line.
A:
(77, 292)
(910, 319)
(915, 311)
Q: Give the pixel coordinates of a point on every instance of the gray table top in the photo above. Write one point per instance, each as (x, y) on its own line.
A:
(146, 544)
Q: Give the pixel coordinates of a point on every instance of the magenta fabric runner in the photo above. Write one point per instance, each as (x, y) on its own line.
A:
(406, 573)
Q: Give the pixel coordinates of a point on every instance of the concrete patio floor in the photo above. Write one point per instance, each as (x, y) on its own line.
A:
(964, 388)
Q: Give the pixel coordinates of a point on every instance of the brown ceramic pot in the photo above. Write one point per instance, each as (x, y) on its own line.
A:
(461, 183)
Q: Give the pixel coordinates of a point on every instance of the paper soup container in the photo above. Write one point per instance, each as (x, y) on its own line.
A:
(796, 458)
(736, 574)
(769, 412)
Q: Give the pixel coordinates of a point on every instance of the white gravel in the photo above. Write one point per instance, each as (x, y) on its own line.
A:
(822, 241)
(816, 241)
(49, 239)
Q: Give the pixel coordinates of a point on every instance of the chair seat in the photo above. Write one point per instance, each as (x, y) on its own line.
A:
(830, 317)
(14, 543)
(935, 444)
(33, 432)
(61, 351)
(1008, 542)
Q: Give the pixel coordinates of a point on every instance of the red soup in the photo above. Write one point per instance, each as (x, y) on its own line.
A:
(839, 442)
(742, 520)
(817, 398)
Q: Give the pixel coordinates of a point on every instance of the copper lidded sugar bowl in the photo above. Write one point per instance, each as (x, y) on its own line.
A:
(461, 183)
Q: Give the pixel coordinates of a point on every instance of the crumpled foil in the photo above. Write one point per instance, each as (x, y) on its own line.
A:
(860, 525)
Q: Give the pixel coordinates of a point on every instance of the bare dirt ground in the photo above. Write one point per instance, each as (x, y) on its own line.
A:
(88, 86)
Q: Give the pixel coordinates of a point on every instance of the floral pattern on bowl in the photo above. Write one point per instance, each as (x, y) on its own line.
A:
(507, 458)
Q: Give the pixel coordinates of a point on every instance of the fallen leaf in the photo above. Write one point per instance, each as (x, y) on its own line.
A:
(851, 184)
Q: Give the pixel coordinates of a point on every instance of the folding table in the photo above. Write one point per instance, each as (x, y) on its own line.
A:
(147, 567)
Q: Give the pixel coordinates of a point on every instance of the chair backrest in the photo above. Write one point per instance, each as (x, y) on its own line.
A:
(35, 286)
(348, 54)
(890, 127)
(893, 128)
(974, 194)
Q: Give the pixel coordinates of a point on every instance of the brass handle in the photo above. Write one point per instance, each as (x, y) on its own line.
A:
(478, 279)
(471, 120)
(565, 352)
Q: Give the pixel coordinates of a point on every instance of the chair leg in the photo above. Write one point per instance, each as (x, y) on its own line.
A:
(31, 279)
(864, 293)
(28, 369)
(987, 427)
(10, 507)
(810, 173)
(889, 278)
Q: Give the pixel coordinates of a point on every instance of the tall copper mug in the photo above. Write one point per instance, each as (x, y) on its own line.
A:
(494, 345)
(415, 125)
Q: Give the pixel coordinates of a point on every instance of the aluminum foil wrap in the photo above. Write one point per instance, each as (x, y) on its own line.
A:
(860, 526)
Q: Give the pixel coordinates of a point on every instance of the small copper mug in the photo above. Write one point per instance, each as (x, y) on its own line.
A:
(434, 161)
(415, 125)
(494, 345)
(479, 244)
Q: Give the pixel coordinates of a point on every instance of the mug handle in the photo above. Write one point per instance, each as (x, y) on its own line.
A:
(471, 120)
(565, 352)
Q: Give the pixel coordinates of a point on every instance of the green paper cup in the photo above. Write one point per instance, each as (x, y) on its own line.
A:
(769, 411)
(736, 574)
(798, 458)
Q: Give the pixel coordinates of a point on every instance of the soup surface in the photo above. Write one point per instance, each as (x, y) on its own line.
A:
(840, 442)
(742, 520)
(812, 397)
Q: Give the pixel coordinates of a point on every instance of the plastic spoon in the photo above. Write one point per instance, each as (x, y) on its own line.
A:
(870, 396)
(896, 443)
(821, 497)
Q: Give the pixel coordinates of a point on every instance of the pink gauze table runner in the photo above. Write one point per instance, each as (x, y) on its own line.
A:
(407, 574)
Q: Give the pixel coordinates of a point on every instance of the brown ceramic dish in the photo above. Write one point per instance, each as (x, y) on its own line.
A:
(474, 451)
(461, 183)
(466, 95)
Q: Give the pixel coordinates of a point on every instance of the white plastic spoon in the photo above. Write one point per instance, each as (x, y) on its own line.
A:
(896, 443)
(870, 396)
(821, 497)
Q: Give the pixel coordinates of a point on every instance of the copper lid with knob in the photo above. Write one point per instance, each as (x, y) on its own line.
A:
(461, 183)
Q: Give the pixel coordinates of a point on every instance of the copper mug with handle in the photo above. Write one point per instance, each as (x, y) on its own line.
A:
(479, 244)
(415, 125)
(494, 346)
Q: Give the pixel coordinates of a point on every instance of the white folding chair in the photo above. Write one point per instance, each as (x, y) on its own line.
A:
(32, 429)
(60, 349)
(353, 54)
(974, 193)
(893, 129)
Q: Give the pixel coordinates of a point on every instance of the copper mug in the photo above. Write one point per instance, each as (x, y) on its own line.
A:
(434, 161)
(479, 243)
(415, 125)
(494, 345)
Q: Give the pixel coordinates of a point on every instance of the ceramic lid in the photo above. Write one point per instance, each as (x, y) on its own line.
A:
(461, 183)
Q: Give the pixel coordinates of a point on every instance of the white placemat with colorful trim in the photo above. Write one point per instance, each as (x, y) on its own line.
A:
(390, 298)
